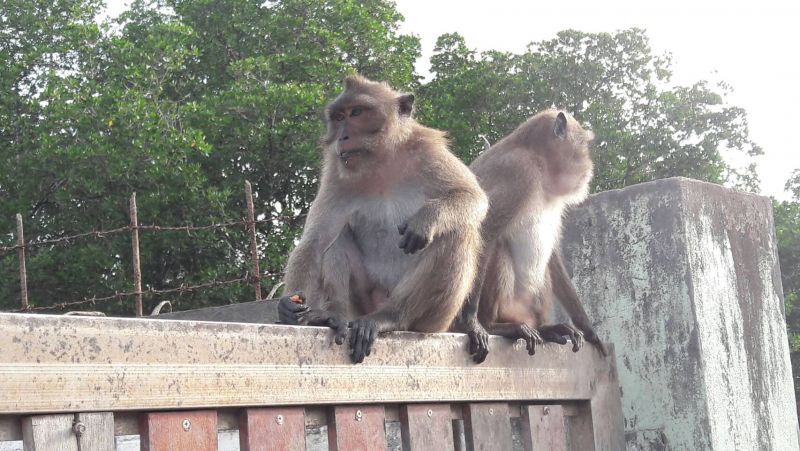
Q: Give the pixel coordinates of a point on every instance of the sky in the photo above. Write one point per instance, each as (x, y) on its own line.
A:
(752, 46)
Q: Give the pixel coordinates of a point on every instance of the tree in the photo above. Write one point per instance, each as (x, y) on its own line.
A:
(612, 82)
(179, 102)
(787, 230)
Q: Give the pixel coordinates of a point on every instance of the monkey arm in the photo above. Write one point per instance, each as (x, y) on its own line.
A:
(564, 290)
(467, 320)
(312, 271)
(455, 199)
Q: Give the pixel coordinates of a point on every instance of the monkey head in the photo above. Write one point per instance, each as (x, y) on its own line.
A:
(561, 146)
(365, 124)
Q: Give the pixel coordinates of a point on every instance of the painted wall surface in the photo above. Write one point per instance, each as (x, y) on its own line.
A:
(682, 276)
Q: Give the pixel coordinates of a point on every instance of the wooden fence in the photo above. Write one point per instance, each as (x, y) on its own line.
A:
(74, 383)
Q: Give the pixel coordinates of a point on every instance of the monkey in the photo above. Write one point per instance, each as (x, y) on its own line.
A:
(391, 240)
(531, 177)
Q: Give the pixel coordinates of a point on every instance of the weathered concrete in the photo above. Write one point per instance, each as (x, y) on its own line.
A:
(682, 276)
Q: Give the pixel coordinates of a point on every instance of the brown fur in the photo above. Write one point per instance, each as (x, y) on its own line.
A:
(531, 177)
(382, 170)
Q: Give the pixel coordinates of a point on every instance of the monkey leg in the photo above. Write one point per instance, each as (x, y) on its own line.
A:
(557, 333)
(300, 314)
(428, 296)
(516, 331)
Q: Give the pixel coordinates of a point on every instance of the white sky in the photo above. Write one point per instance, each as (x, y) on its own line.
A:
(753, 46)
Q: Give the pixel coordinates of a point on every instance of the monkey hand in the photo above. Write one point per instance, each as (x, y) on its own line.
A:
(292, 312)
(413, 238)
(362, 336)
(478, 341)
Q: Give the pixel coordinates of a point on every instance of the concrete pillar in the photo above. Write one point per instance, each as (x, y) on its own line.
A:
(683, 277)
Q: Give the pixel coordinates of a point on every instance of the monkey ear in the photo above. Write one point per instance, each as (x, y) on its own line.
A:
(406, 102)
(560, 129)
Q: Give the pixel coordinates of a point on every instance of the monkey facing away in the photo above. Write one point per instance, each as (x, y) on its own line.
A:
(391, 241)
(531, 177)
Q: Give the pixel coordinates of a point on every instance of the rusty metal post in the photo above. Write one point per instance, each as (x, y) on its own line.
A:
(137, 270)
(251, 229)
(23, 275)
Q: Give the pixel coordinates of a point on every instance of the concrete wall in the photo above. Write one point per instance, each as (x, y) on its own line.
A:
(682, 276)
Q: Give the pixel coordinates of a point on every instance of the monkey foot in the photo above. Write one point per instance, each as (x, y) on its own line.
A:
(362, 336)
(292, 312)
(478, 342)
(557, 334)
(531, 336)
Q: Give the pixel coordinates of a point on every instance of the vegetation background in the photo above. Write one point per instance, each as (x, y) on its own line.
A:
(181, 101)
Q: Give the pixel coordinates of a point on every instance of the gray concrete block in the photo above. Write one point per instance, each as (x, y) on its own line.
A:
(261, 312)
(682, 276)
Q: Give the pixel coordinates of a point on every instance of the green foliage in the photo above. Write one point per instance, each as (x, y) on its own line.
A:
(612, 82)
(182, 101)
(787, 229)
(179, 102)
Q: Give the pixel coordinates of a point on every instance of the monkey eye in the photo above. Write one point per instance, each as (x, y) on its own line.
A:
(356, 111)
(337, 116)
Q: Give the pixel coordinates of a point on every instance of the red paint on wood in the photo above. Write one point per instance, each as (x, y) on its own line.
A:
(356, 428)
(273, 429)
(179, 431)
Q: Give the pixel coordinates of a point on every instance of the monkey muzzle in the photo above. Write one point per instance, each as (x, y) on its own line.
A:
(345, 156)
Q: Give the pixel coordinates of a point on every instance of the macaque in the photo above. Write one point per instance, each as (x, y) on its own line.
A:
(391, 241)
(531, 177)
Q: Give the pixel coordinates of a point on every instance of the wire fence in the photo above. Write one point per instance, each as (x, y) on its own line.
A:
(252, 277)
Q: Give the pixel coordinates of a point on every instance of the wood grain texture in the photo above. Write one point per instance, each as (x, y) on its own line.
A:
(179, 431)
(543, 428)
(356, 428)
(426, 426)
(273, 429)
(111, 364)
(98, 431)
(49, 433)
(487, 427)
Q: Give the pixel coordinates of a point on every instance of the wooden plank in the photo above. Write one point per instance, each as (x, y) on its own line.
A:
(606, 406)
(96, 431)
(111, 364)
(276, 428)
(356, 427)
(581, 429)
(10, 428)
(426, 426)
(49, 433)
(178, 431)
(543, 428)
(487, 427)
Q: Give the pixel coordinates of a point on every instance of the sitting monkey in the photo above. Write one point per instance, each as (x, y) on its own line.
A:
(531, 177)
(391, 241)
